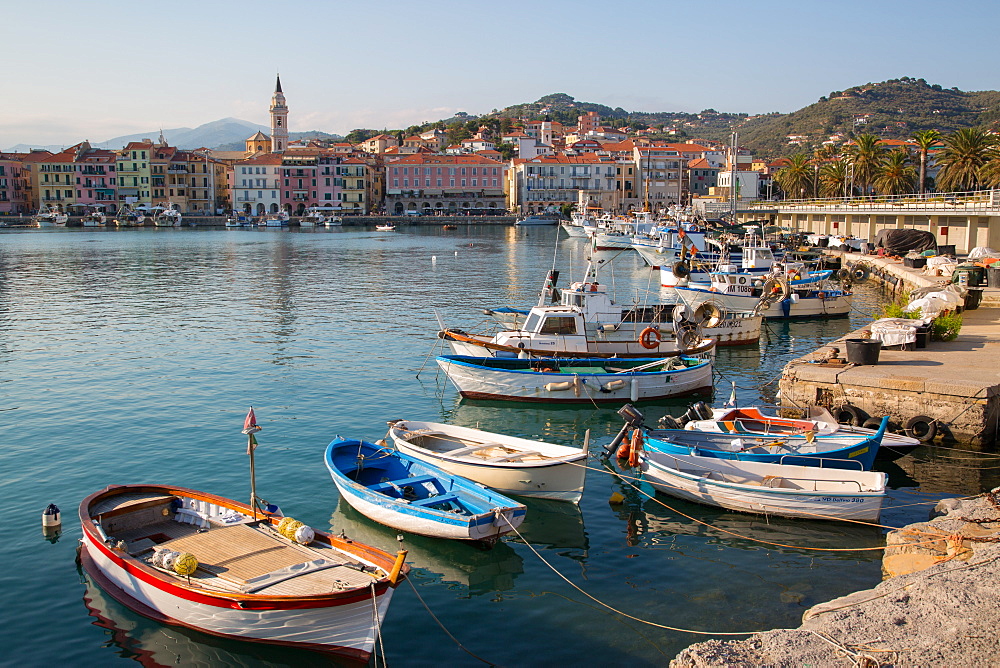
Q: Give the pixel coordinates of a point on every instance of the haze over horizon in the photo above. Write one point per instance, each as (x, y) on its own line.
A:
(382, 65)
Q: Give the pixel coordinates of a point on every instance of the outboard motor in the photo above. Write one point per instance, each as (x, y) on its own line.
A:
(699, 410)
(633, 420)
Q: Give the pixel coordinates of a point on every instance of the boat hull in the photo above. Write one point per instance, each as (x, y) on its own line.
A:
(497, 516)
(482, 346)
(476, 381)
(338, 623)
(692, 479)
(559, 479)
(830, 305)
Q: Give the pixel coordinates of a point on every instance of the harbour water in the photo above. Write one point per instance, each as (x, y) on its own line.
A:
(133, 355)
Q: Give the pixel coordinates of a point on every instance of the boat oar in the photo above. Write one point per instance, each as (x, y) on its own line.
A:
(642, 367)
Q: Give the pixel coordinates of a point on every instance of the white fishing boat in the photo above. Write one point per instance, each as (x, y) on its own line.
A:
(778, 295)
(587, 323)
(279, 219)
(50, 217)
(577, 380)
(209, 563)
(539, 219)
(320, 216)
(167, 216)
(130, 217)
(94, 219)
(239, 221)
(753, 420)
(388, 227)
(810, 492)
(507, 464)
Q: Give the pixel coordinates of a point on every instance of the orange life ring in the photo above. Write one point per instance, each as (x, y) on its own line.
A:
(649, 338)
(635, 447)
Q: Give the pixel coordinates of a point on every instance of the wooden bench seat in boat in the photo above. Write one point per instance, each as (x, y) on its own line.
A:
(473, 448)
(515, 456)
(434, 500)
(402, 482)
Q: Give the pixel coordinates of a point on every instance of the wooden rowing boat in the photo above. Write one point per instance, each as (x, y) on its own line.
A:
(405, 493)
(507, 464)
(202, 561)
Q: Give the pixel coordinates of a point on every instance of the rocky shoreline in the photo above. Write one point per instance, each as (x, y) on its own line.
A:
(938, 605)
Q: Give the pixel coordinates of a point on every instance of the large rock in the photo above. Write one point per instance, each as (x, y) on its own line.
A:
(937, 607)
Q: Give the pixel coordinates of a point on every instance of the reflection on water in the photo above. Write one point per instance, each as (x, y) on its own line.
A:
(476, 571)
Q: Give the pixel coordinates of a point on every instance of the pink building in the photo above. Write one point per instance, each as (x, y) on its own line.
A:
(443, 184)
(79, 177)
(14, 193)
(309, 178)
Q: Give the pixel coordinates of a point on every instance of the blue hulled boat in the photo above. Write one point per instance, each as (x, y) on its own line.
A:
(404, 493)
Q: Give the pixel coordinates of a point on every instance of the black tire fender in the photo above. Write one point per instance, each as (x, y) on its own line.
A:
(921, 427)
(851, 415)
(872, 423)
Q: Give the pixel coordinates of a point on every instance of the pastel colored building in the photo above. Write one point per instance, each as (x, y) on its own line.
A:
(14, 191)
(589, 181)
(358, 193)
(308, 178)
(445, 184)
(256, 184)
(134, 171)
(77, 178)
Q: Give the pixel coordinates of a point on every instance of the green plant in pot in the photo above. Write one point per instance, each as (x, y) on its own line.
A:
(946, 327)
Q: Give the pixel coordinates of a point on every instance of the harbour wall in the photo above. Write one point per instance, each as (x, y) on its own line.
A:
(349, 221)
(953, 384)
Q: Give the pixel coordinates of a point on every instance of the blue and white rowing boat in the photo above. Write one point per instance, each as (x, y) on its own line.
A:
(405, 493)
(835, 450)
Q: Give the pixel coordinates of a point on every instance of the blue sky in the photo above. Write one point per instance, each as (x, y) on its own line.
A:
(100, 69)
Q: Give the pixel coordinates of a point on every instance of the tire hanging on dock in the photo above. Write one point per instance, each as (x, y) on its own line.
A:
(921, 427)
(851, 415)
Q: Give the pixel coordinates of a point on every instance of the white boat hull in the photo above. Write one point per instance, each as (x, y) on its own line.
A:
(837, 493)
(477, 382)
(560, 478)
(345, 629)
(805, 307)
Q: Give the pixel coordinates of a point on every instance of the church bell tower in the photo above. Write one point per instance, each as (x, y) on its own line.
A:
(279, 120)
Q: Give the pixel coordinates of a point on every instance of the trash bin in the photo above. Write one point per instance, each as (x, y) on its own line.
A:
(863, 351)
(946, 249)
(973, 298)
(993, 275)
(923, 336)
(823, 242)
(915, 262)
(968, 274)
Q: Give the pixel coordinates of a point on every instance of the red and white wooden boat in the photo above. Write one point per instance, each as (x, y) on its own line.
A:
(268, 579)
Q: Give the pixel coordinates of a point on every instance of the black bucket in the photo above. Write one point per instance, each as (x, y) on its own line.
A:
(863, 351)
(993, 276)
(972, 298)
(923, 336)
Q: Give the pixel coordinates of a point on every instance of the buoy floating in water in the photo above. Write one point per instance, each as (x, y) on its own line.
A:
(51, 516)
(616, 499)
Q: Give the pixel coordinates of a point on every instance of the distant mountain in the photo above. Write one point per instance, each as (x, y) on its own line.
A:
(224, 134)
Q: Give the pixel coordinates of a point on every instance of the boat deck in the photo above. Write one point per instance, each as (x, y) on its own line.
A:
(251, 558)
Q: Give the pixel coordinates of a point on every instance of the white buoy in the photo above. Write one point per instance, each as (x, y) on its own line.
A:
(456, 253)
(434, 259)
(51, 516)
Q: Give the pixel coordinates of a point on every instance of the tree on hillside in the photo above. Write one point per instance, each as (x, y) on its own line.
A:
(925, 140)
(896, 175)
(965, 153)
(865, 155)
(796, 177)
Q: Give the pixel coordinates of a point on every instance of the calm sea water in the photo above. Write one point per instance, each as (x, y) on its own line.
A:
(133, 355)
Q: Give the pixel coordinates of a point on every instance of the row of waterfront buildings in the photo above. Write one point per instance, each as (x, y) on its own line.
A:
(592, 166)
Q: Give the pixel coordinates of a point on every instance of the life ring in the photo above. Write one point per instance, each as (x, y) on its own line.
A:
(821, 294)
(649, 338)
(635, 445)
(681, 269)
(922, 428)
(851, 415)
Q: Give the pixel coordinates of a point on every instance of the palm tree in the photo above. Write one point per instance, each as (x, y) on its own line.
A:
(897, 174)
(965, 153)
(989, 174)
(925, 139)
(865, 154)
(796, 176)
(833, 179)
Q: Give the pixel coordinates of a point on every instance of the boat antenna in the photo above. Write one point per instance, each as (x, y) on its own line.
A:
(250, 427)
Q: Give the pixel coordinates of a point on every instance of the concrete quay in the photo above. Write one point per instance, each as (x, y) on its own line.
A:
(955, 383)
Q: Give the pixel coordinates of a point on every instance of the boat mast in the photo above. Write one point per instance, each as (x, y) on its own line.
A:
(732, 178)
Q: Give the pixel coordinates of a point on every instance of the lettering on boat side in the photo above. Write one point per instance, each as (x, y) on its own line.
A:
(833, 499)
(858, 452)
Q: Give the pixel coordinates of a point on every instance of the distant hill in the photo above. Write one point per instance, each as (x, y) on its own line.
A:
(228, 134)
(893, 109)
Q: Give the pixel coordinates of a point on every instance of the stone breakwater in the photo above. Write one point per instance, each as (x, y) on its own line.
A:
(936, 607)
